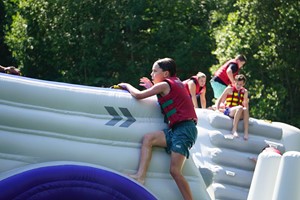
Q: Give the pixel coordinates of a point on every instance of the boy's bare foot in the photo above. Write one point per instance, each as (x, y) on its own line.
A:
(138, 179)
(245, 137)
(235, 134)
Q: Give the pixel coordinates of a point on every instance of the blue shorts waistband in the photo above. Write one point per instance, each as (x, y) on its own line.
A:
(184, 122)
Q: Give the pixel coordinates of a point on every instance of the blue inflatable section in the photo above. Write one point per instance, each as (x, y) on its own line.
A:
(71, 182)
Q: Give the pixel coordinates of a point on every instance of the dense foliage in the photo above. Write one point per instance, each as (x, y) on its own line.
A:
(105, 42)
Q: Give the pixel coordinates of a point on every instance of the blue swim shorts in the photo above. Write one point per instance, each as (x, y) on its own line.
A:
(227, 111)
(181, 137)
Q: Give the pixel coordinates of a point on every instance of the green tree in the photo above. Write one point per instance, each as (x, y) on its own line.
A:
(104, 42)
(5, 54)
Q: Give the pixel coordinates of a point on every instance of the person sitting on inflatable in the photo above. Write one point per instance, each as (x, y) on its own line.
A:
(236, 105)
(181, 134)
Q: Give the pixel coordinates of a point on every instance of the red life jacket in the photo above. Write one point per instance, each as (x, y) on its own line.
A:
(236, 98)
(177, 105)
(222, 74)
(199, 89)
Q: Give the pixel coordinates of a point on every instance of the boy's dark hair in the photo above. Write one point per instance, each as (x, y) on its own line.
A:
(167, 64)
(242, 58)
(240, 77)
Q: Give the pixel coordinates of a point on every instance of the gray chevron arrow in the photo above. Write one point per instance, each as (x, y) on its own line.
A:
(130, 120)
(116, 117)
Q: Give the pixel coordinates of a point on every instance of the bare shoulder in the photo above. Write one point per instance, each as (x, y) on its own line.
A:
(162, 84)
(191, 84)
(162, 88)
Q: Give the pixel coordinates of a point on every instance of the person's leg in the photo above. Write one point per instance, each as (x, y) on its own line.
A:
(236, 113)
(149, 140)
(177, 161)
(246, 122)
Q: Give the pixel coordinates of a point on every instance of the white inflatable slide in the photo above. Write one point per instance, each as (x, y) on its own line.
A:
(77, 142)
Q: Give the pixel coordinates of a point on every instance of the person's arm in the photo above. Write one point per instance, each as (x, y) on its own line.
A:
(203, 98)
(2, 69)
(13, 70)
(145, 82)
(159, 88)
(192, 88)
(231, 70)
(222, 98)
(230, 74)
(10, 69)
(246, 100)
